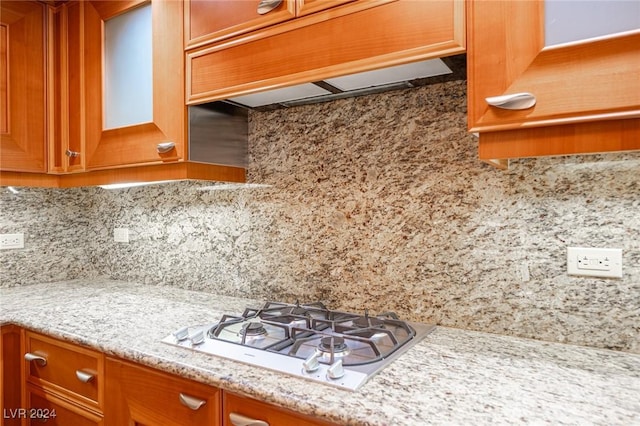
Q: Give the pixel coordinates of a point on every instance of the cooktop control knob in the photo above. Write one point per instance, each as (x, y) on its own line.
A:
(197, 338)
(181, 334)
(311, 364)
(335, 371)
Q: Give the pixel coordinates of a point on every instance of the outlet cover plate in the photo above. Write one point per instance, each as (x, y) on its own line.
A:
(594, 262)
(11, 241)
(121, 235)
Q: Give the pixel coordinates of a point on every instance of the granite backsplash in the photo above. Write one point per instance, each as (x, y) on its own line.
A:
(377, 202)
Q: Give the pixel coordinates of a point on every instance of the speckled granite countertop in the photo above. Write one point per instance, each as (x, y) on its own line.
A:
(452, 377)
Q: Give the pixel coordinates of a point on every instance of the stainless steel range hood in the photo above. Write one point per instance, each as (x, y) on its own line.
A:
(365, 83)
(218, 131)
(218, 134)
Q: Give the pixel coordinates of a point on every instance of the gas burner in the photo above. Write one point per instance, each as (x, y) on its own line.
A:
(253, 330)
(299, 310)
(307, 340)
(333, 346)
(366, 322)
(291, 320)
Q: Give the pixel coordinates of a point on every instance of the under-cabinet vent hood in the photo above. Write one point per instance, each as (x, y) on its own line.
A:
(218, 134)
(365, 83)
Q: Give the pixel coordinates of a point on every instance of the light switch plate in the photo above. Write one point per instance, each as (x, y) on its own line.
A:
(594, 262)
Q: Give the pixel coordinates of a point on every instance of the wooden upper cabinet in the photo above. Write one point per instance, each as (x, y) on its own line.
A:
(208, 21)
(593, 79)
(103, 145)
(587, 92)
(327, 44)
(306, 7)
(22, 86)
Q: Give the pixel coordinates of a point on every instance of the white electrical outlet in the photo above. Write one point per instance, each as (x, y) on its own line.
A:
(11, 241)
(121, 235)
(594, 262)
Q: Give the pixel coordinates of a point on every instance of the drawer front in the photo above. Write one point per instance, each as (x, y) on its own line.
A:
(52, 411)
(240, 410)
(70, 370)
(140, 395)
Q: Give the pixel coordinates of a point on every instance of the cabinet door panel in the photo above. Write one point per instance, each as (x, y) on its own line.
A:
(22, 86)
(63, 363)
(209, 21)
(573, 83)
(43, 408)
(306, 7)
(142, 396)
(136, 144)
(327, 48)
(260, 411)
(10, 373)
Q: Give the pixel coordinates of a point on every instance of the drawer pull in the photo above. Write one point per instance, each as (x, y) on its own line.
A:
(240, 420)
(515, 101)
(72, 154)
(266, 6)
(84, 377)
(165, 147)
(40, 360)
(191, 402)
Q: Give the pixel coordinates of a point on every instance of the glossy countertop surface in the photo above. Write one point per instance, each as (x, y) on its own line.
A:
(452, 377)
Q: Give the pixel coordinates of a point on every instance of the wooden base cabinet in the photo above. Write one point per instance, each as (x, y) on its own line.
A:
(46, 380)
(241, 411)
(143, 396)
(10, 378)
(51, 410)
(63, 382)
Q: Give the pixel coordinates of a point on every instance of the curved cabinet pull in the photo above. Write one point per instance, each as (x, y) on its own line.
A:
(72, 154)
(191, 402)
(516, 101)
(266, 6)
(84, 377)
(165, 147)
(40, 360)
(240, 420)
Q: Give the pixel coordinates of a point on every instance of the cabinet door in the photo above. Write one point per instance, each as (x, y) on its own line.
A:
(10, 377)
(244, 411)
(305, 7)
(22, 86)
(45, 408)
(212, 20)
(328, 44)
(589, 80)
(136, 143)
(75, 372)
(142, 396)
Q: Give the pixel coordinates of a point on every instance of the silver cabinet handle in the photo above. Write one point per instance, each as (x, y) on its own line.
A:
(40, 360)
(191, 402)
(240, 420)
(165, 147)
(515, 101)
(72, 154)
(266, 6)
(84, 377)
